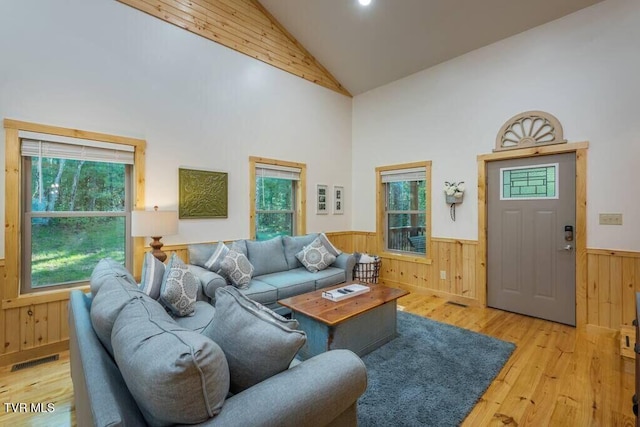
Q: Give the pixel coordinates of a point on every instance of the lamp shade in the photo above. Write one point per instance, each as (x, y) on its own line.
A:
(154, 223)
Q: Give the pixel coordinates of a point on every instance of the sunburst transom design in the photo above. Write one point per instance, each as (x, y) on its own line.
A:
(528, 129)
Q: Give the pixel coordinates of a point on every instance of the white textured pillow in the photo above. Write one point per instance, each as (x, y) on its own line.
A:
(237, 268)
(179, 290)
(152, 275)
(327, 244)
(214, 261)
(315, 257)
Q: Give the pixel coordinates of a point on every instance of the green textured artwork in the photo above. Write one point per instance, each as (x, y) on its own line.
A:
(202, 194)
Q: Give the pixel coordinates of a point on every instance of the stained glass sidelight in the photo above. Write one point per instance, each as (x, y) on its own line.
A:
(529, 182)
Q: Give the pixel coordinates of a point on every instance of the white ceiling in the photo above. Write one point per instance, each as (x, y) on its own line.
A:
(366, 47)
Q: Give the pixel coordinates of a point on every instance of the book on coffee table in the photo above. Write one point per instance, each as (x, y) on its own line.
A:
(345, 292)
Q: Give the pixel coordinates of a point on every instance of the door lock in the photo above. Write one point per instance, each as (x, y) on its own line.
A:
(568, 233)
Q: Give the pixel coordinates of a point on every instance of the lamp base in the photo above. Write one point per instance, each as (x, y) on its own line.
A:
(156, 244)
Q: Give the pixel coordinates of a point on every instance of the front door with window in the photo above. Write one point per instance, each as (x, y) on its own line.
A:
(530, 241)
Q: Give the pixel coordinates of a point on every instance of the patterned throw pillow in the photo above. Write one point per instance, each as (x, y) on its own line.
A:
(214, 261)
(237, 268)
(315, 257)
(152, 275)
(179, 288)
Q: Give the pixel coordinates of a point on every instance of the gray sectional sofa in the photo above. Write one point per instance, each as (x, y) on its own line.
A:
(277, 273)
(133, 364)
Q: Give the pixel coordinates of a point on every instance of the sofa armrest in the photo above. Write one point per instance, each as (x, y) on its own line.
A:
(209, 281)
(347, 262)
(313, 393)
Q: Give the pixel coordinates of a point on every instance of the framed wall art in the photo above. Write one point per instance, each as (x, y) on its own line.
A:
(338, 199)
(202, 194)
(322, 199)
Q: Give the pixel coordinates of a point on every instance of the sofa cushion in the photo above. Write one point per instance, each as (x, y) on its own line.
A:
(199, 253)
(290, 283)
(315, 257)
(293, 245)
(105, 270)
(261, 292)
(152, 274)
(329, 277)
(219, 253)
(176, 376)
(267, 256)
(257, 342)
(239, 246)
(237, 269)
(202, 317)
(180, 290)
(107, 304)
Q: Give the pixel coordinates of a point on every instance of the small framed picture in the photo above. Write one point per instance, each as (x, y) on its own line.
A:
(338, 199)
(322, 200)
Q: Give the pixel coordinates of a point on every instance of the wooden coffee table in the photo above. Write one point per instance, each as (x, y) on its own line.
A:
(361, 323)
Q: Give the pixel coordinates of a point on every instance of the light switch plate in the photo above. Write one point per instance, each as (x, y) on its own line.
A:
(610, 219)
(443, 275)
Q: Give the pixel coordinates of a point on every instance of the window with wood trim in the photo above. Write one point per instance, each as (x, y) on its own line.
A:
(404, 209)
(70, 205)
(277, 198)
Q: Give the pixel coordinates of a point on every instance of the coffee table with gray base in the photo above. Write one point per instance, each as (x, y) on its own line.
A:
(361, 323)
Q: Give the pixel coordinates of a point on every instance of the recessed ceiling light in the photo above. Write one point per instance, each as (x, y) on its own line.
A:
(365, 2)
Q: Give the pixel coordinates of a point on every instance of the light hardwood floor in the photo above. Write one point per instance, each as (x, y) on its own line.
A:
(556, 376)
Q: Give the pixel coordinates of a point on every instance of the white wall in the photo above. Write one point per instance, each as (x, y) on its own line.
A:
(101, 66)
(583, 68)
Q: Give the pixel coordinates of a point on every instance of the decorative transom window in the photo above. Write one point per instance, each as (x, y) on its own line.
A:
(529, 129)
(529, 182)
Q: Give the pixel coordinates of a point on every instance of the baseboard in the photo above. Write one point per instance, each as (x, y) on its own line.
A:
(34, 353)
(472, 302)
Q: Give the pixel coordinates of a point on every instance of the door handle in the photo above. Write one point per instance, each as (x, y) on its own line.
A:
(568, 248)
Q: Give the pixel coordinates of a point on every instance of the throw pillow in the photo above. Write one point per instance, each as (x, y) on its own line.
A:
(107, 304)
(327, 244)
(180, 291)
(293, 245)
(175, 375)
(267, 256)
(199, 253)
(213, 262)
(237, 268)
(152, 274)
(256, 343)
(315, 257)
(105, 270)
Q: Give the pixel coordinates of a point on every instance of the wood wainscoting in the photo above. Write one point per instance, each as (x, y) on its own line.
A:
(36, 325)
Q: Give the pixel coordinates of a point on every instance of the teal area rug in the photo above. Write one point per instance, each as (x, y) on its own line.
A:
(432, 374)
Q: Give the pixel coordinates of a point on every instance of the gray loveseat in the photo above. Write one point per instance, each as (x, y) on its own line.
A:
(278, 274)
(320, 391)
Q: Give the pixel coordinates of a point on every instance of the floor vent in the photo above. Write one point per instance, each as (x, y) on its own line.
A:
(459, 304)
(35, 362)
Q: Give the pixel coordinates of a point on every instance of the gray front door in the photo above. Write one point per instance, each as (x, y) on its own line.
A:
(530, 247)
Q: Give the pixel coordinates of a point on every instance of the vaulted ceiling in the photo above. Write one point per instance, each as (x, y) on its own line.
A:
(366, 47)
(349, 48)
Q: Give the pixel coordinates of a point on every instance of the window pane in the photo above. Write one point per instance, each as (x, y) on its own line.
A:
(537, 182)
(74, 185)
(406, 195)
(67, 249)
(274, 194)
(406, 232)
(269, 225)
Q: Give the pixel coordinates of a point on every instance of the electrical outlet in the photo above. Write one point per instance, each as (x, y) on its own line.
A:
(610, 219)
(443, 275)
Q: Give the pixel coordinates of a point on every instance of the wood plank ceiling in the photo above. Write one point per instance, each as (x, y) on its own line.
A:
(245, 26)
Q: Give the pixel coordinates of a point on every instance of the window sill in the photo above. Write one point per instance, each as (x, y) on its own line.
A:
(40, 297)
(407, 258)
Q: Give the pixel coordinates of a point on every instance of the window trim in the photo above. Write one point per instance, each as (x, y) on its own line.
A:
(300, 210)
(13, 197)
(381, 216)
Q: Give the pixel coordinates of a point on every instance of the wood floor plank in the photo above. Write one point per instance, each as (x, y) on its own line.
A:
(557, 376)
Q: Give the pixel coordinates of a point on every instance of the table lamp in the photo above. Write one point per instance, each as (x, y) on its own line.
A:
(154, 224)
